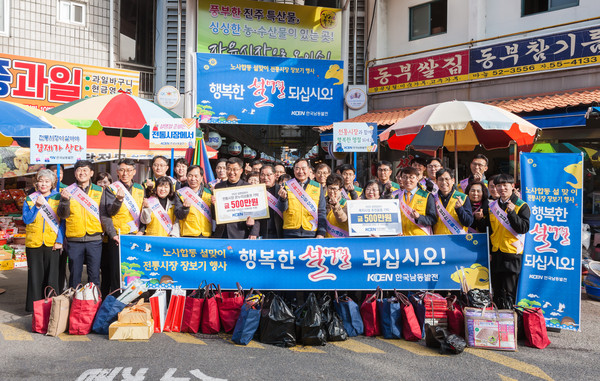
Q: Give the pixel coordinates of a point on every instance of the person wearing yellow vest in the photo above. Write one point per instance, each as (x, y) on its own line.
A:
(384, 174)
(120, 213)
(44, 237)
(193, 206)
(478, 166)
(350, 190)
(158, 213)
(322, 171)
(453, 207)
(80, 208)
(303, 217)
(337, 217)
(508, 222)
(417, 206)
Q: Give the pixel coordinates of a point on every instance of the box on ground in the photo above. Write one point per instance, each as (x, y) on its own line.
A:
(130, 331)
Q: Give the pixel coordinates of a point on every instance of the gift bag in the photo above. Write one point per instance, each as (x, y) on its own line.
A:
(368, 312)
(336, 330)
(175, 311)
(390, 317)
(277, 322)
(192, 312)
(59, 313)
(534, 326)
(230, 305)
(136, 314)
(41, 312)
(158, 306)
(416, 299)
(438, 337)
(349, 312)
(456, 319)
(248, 321)
(309, 323)
(411, 330)
(491, 328)
(210, 322)
(107, 313)
(84, 307)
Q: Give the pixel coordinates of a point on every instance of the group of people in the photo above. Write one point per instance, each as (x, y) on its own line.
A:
(86, 219)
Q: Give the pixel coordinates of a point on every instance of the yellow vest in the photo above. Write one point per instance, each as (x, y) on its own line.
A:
(155, 227)
(123, 217)
(419, 204)
(38, 232)
(195, 224)
(81, 222)
(502, 240)
(296, 216)
(333, 221)
(439, 227)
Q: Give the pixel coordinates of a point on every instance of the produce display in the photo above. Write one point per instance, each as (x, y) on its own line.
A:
(11, 201)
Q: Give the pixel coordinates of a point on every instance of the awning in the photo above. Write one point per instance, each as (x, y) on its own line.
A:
(558, 119)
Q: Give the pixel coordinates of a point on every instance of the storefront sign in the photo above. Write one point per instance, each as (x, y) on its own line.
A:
(551, 268)
(173, 133)
(405, 263)
(44, 84)
(374, 217)
(238, 203)
(570, 49)
(254, 28)
(354, 137)
(268, 90)
(51, 146)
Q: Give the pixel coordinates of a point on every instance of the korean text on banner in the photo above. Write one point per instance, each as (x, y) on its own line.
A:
(551, 267)
(374, 217)
(50, 146)
(238, 203)
(355, 137)
(173, 133)
(407, 263)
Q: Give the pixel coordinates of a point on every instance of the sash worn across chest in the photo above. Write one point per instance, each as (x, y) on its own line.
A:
(47, 212)
(447, 219)
(161, 214)
(84, 200)
(130, 204)
(273, 204)
(407, 212)
(304, 199)
(197, 202)
(336, 231)
(502, 217)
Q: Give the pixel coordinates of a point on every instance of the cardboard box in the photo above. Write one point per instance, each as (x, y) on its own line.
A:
(129, 331)
(8, 264)
(4, 255)
(137, 314)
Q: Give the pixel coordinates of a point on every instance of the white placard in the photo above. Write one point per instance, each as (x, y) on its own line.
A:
(374, 217)
(175, 133)
(354, 137)
(57, 146)
(238, 203)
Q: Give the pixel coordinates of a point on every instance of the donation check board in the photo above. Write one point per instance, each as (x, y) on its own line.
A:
(407, 263)
(238, 203)
(374, 217)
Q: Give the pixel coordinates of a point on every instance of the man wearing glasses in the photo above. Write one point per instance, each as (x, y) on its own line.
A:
(120, 214)
(433, 165)
(384, 173)
(478, 166)
(416, 205)
(302, 201)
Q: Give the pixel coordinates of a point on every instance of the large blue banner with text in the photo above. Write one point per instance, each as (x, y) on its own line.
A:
(551, 268)
(406, 263)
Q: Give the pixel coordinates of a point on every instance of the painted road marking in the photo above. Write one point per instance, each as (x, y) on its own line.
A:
(306, 349)
(506, 378)
(184, 338)
(509, 362)
(66, 337)
(412, 347)
(356, 346)
(15, 332)
(251, 344)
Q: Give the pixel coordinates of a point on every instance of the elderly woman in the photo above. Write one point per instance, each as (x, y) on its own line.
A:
(478, 195)
(44, 237)
(373, 190)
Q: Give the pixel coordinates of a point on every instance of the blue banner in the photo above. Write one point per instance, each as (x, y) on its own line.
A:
(406, 263)
(269, 90)
(551, 268)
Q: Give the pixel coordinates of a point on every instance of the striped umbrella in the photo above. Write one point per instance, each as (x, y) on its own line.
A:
(16, 123)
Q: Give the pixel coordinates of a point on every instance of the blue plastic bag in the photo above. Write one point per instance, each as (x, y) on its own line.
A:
(390, 315)
(107, 313)
(246, 324)
(350, 314)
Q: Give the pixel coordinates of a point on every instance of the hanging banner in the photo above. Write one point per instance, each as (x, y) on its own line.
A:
(374, 217)
(406, 263)
(173, 133)
(253, 28)
(551, 267)
(268, 90)
(355, 137)
(50, 146)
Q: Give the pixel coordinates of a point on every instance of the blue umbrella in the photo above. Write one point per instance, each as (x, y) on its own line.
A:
(16, 123)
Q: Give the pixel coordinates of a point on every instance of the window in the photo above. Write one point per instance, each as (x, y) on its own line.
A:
(4, 11)
(137, 32)
(71, 12)
(531, 7)
(428, 19)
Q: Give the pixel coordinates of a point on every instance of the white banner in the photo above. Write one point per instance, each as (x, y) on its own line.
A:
(52, 146)
(173, 133)
(374, 217)
(238, 203)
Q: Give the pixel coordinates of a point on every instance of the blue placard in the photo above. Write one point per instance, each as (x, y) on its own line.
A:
(551, 267)
(406, 263)
(269, 90)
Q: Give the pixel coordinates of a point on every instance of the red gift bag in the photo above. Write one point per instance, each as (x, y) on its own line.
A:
(192, 313)
(41, 312)
(230, 305)
(84, 307)
(210, 323)
(411, 329)
(534, 325)
(158, 305)
(175, 311)
(456, 319)
(368, 312)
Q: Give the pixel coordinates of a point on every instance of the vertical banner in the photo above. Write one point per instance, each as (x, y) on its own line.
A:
(551, 270)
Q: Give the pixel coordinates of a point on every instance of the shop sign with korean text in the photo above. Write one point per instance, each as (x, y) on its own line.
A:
(52, 146)
(407, 263)
(238, 203)
(374, 217)
(175, 133)
(551, 265)
(44, 84)
(268, 90)
(269, 29)
(355, 137)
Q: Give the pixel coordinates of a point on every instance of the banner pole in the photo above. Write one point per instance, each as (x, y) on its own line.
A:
(172, 161)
